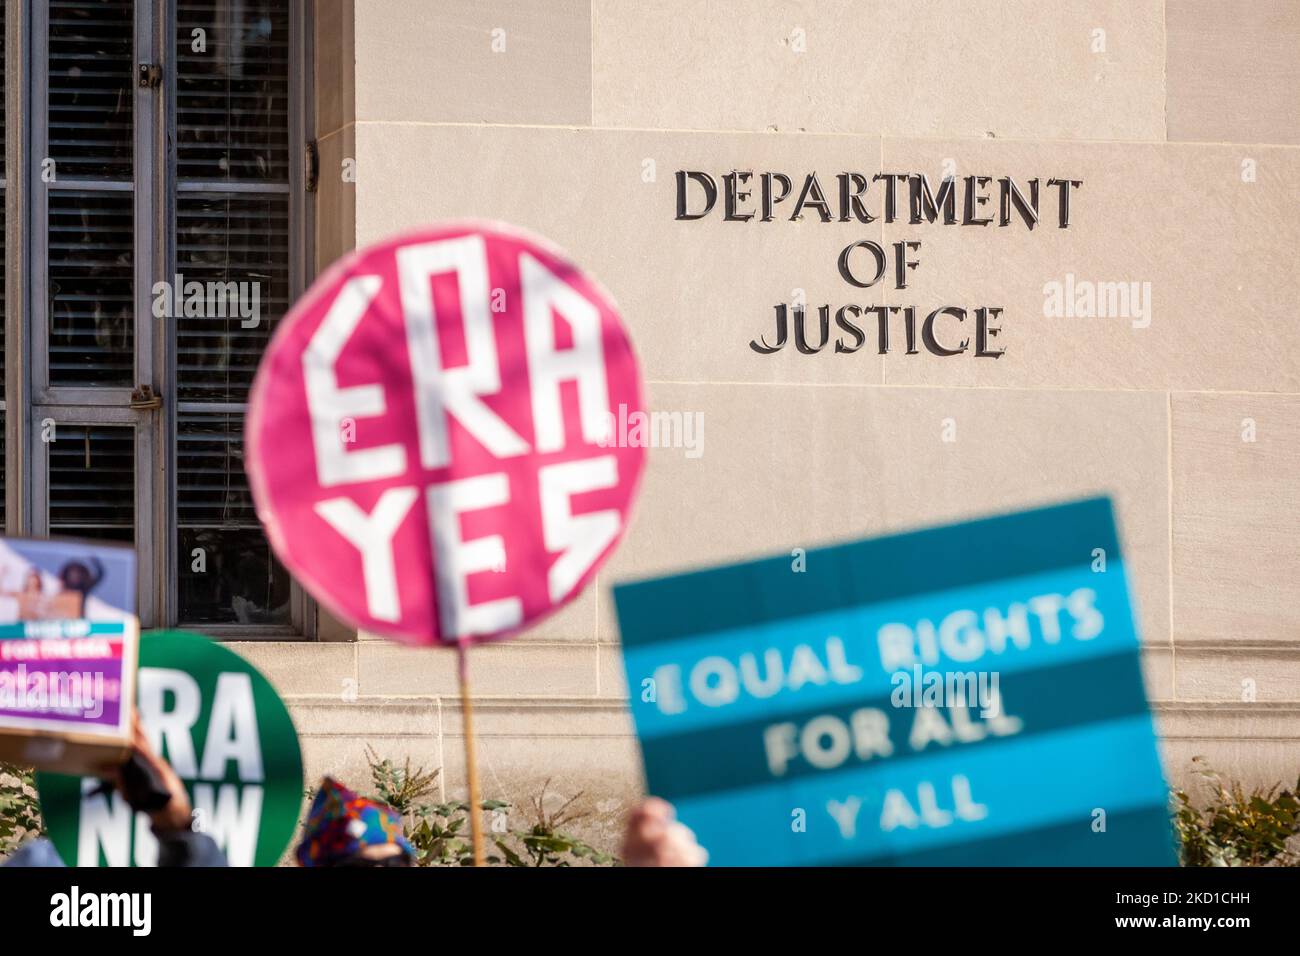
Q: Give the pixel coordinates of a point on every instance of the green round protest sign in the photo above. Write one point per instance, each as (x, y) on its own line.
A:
(228, 736)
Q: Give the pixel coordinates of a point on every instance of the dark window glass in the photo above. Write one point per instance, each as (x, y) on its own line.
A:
(91, 283)
(232, 90)
(227, 573)
(233, 252)
(90, 230)
(235, 248)
(92, 481)
(91, 85)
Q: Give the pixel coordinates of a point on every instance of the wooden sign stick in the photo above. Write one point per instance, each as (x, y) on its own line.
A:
(471, 756)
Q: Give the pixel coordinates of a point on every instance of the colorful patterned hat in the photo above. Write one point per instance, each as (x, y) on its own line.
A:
(342, 824)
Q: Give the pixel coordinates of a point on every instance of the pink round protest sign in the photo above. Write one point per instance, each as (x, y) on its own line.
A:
(432, 437)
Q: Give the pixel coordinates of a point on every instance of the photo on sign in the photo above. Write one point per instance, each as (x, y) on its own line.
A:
(59, 580)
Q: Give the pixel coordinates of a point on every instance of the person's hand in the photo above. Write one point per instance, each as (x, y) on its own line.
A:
(176, 814)
(656, 838)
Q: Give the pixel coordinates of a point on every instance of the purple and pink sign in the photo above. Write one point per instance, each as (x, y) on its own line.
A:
(69, 684)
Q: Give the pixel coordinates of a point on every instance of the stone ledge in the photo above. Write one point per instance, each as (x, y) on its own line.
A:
(535, 718)
(607, 717)
(386, 669)
(1212, 721)
(1269, 645)
(1214, 673)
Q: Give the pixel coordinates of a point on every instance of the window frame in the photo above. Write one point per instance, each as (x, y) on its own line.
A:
(109, 415)
(155, 189)
(145, 124)
(17, 385)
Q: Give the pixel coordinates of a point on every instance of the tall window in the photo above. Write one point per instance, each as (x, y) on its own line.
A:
(167, 233)
(4, 202)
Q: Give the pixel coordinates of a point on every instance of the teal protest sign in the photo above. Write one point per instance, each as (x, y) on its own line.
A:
(228, 736)
(961, 695)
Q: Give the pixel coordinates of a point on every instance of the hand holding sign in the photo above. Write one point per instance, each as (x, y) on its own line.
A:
(214, 725)
(429, 434)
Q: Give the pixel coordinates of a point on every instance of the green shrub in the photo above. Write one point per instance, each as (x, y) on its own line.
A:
(20, 812)
(439, 832)
(1236, 828)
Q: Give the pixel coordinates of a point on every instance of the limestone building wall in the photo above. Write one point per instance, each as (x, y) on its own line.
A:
(1181, 118)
